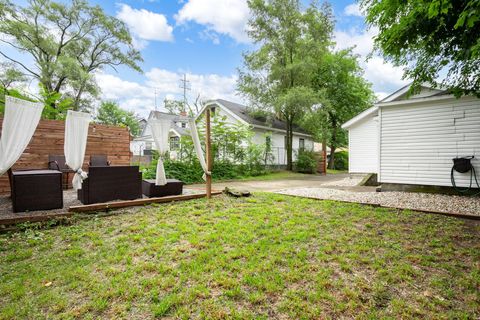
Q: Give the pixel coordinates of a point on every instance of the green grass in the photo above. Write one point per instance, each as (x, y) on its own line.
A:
(264, 257)
(275, 175)
(333, 171)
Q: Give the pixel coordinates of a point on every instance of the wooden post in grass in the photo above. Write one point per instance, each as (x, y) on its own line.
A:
(208, 153)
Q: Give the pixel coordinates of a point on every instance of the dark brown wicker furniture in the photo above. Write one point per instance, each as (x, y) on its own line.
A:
(36, 190)
(99, 160)
(111, 183)
(58, 163)
(172, 188)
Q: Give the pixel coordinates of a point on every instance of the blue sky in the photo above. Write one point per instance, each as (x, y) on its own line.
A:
(205, 39)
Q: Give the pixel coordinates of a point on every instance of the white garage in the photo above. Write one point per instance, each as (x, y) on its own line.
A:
(363, 142)
(413, 139)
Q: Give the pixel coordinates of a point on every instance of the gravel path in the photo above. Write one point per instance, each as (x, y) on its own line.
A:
(402, 200)
(350, 181)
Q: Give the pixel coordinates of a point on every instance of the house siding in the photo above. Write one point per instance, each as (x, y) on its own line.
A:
(419, 141)
(363, 146)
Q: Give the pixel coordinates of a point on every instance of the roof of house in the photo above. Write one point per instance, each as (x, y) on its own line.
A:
(165, 115)
(401, 96)
(173, 117)
(241, 111)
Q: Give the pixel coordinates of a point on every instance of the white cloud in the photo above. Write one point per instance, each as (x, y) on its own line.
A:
(208, 86)
(140, 98)
(228, 17)
(146, 25)
(353, 10)
(383, 75)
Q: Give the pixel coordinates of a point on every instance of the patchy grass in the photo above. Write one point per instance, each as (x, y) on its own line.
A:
(275, 175)
(333, 171)
(268, 256)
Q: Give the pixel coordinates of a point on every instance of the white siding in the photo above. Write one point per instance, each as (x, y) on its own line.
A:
(363, 146)
(419, 141)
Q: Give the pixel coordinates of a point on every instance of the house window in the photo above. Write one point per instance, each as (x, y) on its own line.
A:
(212, 111)
(184, 124)
(148, 145)
(285, 142)
(301, 144)
(174, 143)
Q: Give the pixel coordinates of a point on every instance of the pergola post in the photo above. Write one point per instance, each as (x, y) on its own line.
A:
(208, 153)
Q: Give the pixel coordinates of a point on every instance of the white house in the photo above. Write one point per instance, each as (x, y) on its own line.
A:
(411, 140)
(144, 144)
(272, 131)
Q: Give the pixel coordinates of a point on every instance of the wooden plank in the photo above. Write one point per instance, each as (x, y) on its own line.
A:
(137, 202)
(39, 218)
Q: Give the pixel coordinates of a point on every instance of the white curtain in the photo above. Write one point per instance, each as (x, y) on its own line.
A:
(19, 123)
(76, 132)
(160, 129)
(198, 148)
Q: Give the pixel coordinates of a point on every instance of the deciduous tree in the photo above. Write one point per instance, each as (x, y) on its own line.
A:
(68, 42)
(110, 113)
(277, 75)
(431, 39)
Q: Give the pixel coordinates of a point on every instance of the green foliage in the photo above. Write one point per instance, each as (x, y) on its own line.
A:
(68, 42)
(343, 94)
(56, 104)
(234, 155)
(10, 75)
(289, 40)
(306, 162)
(428, 37)
(11, 92)
(110, 113)
(341, 160)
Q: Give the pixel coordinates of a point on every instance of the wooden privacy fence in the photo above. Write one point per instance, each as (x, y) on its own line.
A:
(48, 140)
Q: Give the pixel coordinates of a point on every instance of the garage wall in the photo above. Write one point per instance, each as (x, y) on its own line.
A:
(418, 141)
(363, 146)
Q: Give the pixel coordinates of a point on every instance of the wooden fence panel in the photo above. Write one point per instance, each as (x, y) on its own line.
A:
(48, 139)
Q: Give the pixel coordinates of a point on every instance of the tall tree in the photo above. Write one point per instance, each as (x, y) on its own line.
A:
(430, 39)
(67, 42)
(343, 94)
(10, 76)
(277, 76)
(110, 113)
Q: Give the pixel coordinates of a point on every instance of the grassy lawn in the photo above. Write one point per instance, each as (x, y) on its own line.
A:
(333, 171)
(275, 175)
(268, 256)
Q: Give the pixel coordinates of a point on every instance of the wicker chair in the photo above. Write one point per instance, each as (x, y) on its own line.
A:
(33, 190)
(111, 183)
(57, 162)
(99, 160)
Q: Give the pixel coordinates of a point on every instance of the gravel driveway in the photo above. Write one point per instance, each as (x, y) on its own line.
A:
(402, 200)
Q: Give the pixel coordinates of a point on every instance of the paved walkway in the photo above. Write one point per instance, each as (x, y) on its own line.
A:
(302, 181)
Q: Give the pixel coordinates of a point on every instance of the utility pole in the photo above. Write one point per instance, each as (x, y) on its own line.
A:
(155, 91)
(185, 85)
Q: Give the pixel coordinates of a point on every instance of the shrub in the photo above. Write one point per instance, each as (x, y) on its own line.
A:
(341, 160)
(306, 162)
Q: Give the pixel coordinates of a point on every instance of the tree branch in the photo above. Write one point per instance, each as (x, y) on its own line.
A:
(21, 64)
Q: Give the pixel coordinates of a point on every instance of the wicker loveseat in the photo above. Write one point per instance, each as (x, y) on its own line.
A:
(111, 183)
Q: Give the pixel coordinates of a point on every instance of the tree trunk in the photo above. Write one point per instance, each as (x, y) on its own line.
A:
(289, 145)
(331, 161)
(333, 143)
